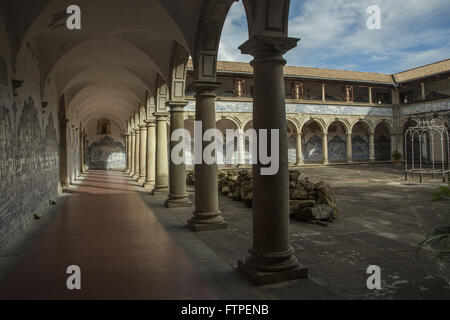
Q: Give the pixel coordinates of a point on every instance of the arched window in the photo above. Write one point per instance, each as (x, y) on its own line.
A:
(103, 127)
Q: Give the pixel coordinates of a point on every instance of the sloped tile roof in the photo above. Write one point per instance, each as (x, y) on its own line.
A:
(330, 74)
(423, 72)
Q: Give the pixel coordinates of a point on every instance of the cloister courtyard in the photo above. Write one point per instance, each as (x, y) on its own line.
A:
(383, 218)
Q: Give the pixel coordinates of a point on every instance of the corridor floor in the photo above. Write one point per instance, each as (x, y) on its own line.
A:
(122, 250)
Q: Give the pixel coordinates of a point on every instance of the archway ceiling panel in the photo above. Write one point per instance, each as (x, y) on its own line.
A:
(105, 74)
(103, 98)
(186, 17)
(102, 51)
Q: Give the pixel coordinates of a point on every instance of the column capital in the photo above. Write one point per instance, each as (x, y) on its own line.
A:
(206, 88)
(161, 115)
(261, 46)
(150, 122)
(143, 126)
(176, 105)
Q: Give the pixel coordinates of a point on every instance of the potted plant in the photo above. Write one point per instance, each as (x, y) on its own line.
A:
(397, 156)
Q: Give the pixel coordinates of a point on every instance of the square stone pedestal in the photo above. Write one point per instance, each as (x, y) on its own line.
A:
(160, 192)
(197, 227)
(184, 203)
(260, 278)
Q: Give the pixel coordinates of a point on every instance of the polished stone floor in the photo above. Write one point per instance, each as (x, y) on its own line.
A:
(122, 250)
(129, 245)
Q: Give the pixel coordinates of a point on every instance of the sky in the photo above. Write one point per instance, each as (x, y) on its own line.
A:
(334, 34)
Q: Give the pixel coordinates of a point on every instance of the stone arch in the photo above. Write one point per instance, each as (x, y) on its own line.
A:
(387, 123)
(235, 120)
(320, 122)
(337, 140)
(361, 131)
(178, 67)
(367, 122)
(343, 122)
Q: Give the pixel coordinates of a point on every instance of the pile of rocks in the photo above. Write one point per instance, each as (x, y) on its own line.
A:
(237, 186)
(310, 201)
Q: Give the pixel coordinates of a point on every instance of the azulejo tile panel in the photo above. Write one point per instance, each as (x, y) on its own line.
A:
(425, 107)
(237, 106)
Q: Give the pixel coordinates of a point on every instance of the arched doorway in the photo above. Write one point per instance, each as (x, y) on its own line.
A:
(382, 138)
(337, 145)
(312, 138)
(360, 141)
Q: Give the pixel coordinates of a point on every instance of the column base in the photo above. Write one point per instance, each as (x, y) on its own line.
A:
(196, 225)
(135, 176)
(149, 185)
(141, 180)
(183, 202)
(160, 191)
(263, 278)
(349, 161)
(299, 164)
(325, 162)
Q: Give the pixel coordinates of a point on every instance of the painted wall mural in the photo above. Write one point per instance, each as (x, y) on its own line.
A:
(337, 149)
(29, 167)
(242, 106)
(106, 154)
(312, 149)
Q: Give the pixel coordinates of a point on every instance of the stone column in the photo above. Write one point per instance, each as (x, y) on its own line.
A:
(177, 172)
(370, 95)
(325, 148)
(162, 162)
(63, 169)
(81, 152)
(241, 148)
(323, 92)
(133, 153)
(151, 155)
(371, 147)
(349, 148)
(393, 144)
(299, 149)
(424, 95)
(142, 153)
(271, 256)
(137, 156)
(207, 215)
(128, 153)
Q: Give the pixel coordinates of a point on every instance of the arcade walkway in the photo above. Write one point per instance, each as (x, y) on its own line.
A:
(123, 251)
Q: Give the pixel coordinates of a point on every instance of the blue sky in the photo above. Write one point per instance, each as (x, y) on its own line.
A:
(334, 34)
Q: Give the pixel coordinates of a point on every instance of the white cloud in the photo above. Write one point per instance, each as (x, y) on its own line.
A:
(235, 33)
(334, 34)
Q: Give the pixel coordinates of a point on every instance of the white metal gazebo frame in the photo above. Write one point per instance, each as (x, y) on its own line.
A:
(423, 129)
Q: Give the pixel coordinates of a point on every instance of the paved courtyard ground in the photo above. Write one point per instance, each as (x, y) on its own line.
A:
(129, 248)
(383, 219)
